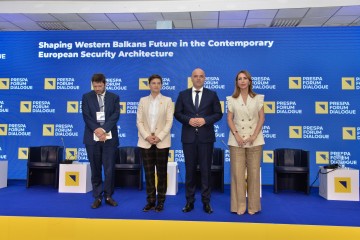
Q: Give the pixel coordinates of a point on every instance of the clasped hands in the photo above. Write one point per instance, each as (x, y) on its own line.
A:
(242, 142)
(153, 140)
(197, 122)
(101, 134)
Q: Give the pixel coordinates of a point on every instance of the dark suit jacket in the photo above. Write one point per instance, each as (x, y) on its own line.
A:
(90, 106)
(209, 109)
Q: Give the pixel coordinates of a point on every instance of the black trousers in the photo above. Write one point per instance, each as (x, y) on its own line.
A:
(198, 153)
(101, 155)
(155, 158)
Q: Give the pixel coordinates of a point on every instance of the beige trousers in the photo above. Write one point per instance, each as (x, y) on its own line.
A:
(245, 161)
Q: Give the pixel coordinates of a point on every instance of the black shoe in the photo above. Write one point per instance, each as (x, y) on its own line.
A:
(110, 201)
(207, 208)
(159, 207)
(188, 207)
(96, 203)
(148, 207)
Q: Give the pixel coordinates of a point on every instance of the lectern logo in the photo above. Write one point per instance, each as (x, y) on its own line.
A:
(25, 106)
(171, 156)
(122, 107)
(143, 84)
(268, 156)
(321, 107)
(348, 83)
(72, 107)
(72, 179)
(23, 153)
(349, 133)
(342, 184)
(50, 84)
(269, 107)
(4, 83)
(71, 154)
(295, 83)
(322, 157)
(48, 129)
(295, 131)
(3, 129)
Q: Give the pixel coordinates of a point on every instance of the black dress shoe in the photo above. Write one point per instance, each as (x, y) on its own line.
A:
(207, 208)
(96, 203)
(188, 207)
(159, 207)
(110, 201)
(148, 207)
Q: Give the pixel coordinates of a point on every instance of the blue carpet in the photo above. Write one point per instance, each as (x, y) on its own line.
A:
(281, 208)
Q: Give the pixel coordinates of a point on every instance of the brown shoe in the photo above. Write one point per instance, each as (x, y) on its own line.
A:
(148, 207)
(110, 201)
(96, 203)
(159, 207)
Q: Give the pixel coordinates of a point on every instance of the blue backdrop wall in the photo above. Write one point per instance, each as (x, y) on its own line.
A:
(310, 78)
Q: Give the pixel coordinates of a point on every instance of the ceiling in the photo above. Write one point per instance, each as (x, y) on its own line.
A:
(166, 14)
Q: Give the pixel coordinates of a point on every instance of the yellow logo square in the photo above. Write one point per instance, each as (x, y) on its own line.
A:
(122, 107)
(4, 83)
(72, 179)
(348, 83)
(171, 156)
(23, 153)
(190, 84)
(295, 131)
(349, 133)
(50, 84)
(48, 129)
(71, 154)
(143, 84)
(3, 129)
(322, 157)
(269, 107)
(295, 83)
(342, 184)
(268, 156)
(321, 107)
(25, 106)
(72, 107)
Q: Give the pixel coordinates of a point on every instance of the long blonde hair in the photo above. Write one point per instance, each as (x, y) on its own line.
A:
(236, 93)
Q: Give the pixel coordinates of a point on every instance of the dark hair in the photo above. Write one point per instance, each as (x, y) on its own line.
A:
(153, 77)
(98, 77)
(236, 93)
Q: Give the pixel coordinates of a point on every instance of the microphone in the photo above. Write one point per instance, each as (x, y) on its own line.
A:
(227, 147)
(65, 161)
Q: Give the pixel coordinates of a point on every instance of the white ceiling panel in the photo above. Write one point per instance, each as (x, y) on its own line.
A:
(340, 20)
(292, 13)
(149, 16)
(68, 17)
(233, 15)
(205, 23)
(40, 17)
(313, 21)
(262, 13)
(78, 26)
(119, 17)
(182, 24)
(322, 12)
(258, 23)
(350, 10)
(231, 23)
(205, 15)
(131, 25)
(177, 16)
(94, 17)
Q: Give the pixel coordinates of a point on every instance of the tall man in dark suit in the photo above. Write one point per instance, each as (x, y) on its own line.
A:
(101, 111)
(198, 108)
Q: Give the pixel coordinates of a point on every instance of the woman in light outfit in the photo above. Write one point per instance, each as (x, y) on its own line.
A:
(245, 119)
(154, 120)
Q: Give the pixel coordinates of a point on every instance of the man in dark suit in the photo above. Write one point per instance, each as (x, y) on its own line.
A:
(101, 111)
(198, 108)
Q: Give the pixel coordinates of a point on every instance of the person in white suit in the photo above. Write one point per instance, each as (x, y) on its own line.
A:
(154, 120)
(245, 119)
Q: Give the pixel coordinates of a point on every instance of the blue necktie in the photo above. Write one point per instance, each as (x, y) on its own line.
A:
(197, 100)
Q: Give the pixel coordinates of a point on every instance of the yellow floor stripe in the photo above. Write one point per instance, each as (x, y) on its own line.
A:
(39, 228)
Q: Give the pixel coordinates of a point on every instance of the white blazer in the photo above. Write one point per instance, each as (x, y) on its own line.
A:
(163, 124)
(246, 117)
